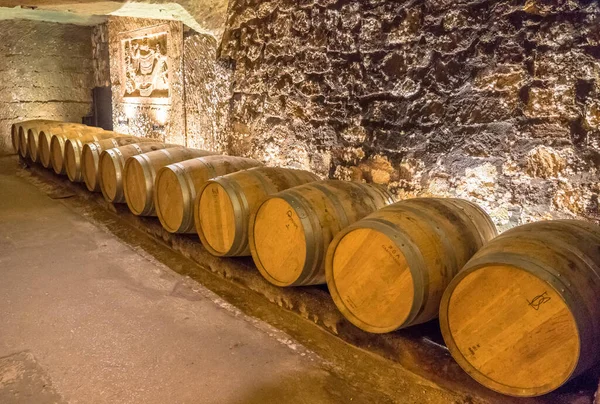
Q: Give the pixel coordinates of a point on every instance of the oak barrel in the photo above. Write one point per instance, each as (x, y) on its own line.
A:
(140, 175)
(74, 148)
(90, 157)
(45, 138)
(22, 132)
(225, 204)
(292, 230)
(523, 315)
(112, 165)
(33, 136)
(58, 142)
(14, 137)
(177, 185)
(390, 269)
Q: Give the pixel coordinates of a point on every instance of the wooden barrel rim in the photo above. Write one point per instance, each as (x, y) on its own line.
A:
(543, 274)
(22, 142)
(14, 137)
(57, 153)
(148, 173)
(44, 147)
(184, 195)
(115, 163)
(239, 205)
(71, 161)
(32, 140)
(188, 192)
(412, 256)
(523, 231)
(312, 238)
(90, 165)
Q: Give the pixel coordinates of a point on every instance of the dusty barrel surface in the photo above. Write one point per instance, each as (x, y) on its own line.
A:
(292, 230)
(177, 185)
(33, 136)
(523, 316)
(225, 204)
(390, 269)
(58, 143)
(74, 149)
(90, 157)
(140, 176)
(112, 165)
(22, 132)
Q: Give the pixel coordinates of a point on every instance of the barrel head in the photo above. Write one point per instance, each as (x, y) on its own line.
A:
(279, 242)
(169, 200)
(216, 218)
(510, 330)
(370, 280)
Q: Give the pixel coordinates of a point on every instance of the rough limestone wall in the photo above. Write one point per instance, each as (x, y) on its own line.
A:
(45, 72)
(100, 56)
(139, 119)
(207, 94)
(493, 101)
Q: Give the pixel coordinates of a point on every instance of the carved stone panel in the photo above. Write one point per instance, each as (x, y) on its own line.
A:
(145, 69)
(146, 73)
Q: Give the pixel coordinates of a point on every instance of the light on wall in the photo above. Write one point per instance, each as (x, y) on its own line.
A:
(129, 111)
(162, 114)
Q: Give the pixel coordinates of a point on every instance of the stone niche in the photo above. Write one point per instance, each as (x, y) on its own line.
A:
(146, 58)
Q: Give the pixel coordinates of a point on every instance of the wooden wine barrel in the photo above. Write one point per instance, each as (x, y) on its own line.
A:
(112, 165)
(74, 148)
(22, 131)
(292, 230)
(14, 137)
(90, 157)
(390, 269)
(225, 204)
(177, 185)
(140, 175)
(523, 315)
(58, 142)
(44, 139)
(33, 136)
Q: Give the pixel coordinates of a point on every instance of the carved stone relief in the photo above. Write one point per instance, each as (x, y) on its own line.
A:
(145, 70)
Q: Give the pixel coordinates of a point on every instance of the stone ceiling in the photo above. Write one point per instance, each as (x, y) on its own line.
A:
(206, 16)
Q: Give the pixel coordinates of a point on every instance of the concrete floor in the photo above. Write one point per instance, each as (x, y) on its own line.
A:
(86, 318)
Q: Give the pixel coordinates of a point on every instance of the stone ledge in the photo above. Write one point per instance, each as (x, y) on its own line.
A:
(418, 349)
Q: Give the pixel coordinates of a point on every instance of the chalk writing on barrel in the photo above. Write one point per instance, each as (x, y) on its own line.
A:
(537, 301)
(290, 215)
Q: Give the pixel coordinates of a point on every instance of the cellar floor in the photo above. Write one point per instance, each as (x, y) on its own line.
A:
(86, 317)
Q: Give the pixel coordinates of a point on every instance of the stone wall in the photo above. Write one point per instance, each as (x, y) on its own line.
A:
(100, 56)
(493, 101)
(162, 119)
(45, 72)
(207, 94)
